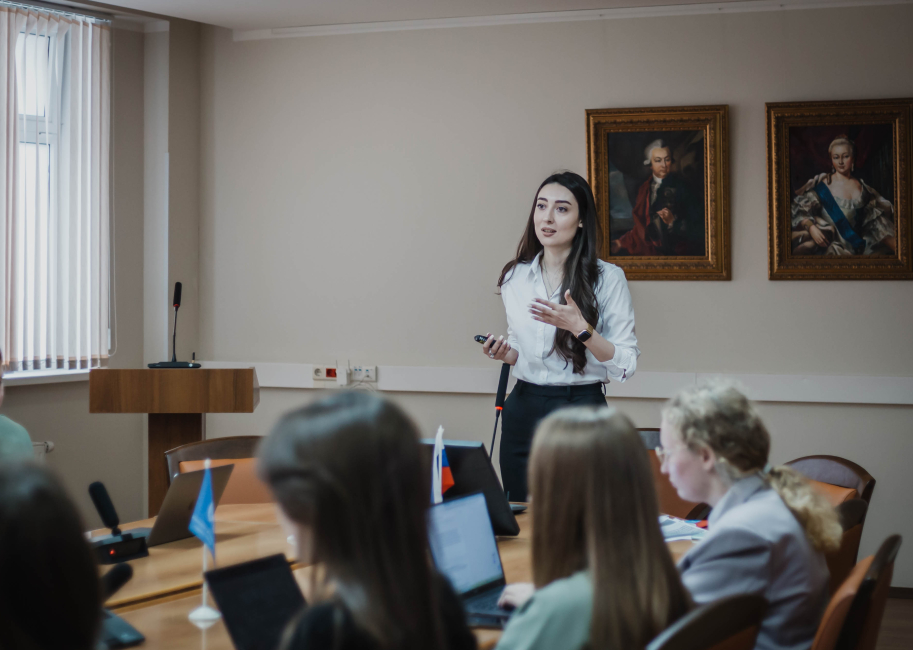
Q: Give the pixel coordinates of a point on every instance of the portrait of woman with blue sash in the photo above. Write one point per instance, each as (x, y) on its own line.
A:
(836, 213)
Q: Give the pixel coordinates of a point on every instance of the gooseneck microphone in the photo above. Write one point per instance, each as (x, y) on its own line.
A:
(174, 363)
(174, 334)
(117, 546)
(499, 403)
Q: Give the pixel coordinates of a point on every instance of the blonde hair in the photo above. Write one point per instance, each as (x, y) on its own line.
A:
(715, 414)
(839, 140)
(596, 509)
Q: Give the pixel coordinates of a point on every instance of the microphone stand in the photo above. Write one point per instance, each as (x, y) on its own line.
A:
(174, 336)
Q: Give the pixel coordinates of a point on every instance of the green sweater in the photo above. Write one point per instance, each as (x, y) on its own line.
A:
(15, 443)
(557, 617)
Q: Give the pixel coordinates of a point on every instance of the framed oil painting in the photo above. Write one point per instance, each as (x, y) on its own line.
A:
(839, 177)
(661, 181)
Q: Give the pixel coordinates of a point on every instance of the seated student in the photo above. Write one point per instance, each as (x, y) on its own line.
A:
(768, 528)
(50, 596)
(603, 574)
(348, 473)
(15, 443)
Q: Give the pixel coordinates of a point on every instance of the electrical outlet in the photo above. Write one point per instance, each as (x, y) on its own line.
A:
(364, 373)
(325, 372)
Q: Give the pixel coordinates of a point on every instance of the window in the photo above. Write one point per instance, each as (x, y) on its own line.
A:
(55, 271)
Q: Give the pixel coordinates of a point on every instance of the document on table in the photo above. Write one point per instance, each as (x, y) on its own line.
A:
(675, 529)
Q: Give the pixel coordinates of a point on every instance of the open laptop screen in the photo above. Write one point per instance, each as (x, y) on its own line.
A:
(463, 544)
(257, 600)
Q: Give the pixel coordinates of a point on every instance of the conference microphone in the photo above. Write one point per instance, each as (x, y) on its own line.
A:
(115, 632)
(499, 403)
(118, 546)
(174, 363)
(104, 506)
(114, 579)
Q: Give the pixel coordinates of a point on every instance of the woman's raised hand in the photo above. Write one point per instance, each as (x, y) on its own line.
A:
(566, 317)
(496, 348)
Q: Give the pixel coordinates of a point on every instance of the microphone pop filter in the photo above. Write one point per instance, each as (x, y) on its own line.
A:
(114, 579)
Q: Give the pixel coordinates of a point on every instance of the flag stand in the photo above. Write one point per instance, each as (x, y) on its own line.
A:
(204, 615)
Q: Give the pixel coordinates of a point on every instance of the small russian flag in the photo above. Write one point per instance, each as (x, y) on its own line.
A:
(446, 474)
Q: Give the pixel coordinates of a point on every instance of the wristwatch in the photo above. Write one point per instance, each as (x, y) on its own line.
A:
(585, 335)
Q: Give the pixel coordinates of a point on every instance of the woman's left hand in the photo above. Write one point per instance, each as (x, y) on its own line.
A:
(566, 317)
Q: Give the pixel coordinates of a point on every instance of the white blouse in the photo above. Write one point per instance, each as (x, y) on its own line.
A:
(533, 340)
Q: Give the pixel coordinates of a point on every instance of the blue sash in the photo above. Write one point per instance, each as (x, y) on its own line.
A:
(839, 219)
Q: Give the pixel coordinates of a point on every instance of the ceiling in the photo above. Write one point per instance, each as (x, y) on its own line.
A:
(262, 14)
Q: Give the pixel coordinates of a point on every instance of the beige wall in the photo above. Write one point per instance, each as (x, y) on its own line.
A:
(360, 194)
(107, 448)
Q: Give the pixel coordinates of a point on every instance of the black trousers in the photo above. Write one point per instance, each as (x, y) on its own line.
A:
(526, 405)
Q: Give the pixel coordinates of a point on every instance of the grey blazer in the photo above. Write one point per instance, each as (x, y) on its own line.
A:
(756, 545)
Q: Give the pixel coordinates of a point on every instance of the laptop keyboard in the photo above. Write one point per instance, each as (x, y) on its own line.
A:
(486, 603)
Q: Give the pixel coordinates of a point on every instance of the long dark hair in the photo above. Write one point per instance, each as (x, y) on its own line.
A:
(596, 509)
(46, 565)
(581, 269)
(350, 468)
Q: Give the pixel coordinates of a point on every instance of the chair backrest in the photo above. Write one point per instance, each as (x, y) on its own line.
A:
(839, 472)
(838, 607)
(841, 562)
(730, 623)
(863, 621)
(669, 501)
(243, 486)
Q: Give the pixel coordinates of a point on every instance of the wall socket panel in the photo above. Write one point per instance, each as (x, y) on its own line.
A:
(364, 373)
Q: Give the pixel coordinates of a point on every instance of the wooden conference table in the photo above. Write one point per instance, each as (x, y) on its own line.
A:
(166, 586)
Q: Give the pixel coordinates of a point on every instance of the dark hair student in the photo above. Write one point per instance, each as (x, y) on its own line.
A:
(603, 575)
(570, 323)
(347, 471)
(50, 595)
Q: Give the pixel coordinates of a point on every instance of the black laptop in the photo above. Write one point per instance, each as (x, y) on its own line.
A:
(257, 600)
(473, 472)
(465, 550)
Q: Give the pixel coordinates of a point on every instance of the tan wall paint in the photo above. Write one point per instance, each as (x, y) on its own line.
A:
(106, 448)
(361, 193)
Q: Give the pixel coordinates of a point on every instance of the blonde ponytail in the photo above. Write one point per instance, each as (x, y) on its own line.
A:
(817, 516)
(717, 415)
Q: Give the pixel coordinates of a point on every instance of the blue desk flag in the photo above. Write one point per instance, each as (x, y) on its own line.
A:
(203, 521)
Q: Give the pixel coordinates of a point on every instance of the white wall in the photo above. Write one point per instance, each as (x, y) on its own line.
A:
(360, 194)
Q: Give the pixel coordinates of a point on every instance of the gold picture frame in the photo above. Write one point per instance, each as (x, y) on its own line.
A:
(660, 177)
(838, 190)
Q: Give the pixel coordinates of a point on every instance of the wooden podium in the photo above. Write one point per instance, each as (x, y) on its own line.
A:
(176, 400)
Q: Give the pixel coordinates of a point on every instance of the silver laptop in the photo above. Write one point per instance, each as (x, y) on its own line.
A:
(465, 550)
(180, 500)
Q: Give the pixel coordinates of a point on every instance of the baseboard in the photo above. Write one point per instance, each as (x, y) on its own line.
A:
(901, 592)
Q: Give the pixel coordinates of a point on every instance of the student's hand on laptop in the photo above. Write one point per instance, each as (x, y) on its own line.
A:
(516, 594)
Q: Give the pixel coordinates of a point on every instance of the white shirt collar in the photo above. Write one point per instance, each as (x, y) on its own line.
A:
(656, 180)
(535, 270)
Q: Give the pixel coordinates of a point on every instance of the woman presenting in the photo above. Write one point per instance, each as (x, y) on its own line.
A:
(570, 323)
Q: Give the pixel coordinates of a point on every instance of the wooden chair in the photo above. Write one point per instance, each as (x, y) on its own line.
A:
(669, 501)
(730, 623)
(835, 615)
(243, 486)
(836, 478)
(863, 621)
(841, 562)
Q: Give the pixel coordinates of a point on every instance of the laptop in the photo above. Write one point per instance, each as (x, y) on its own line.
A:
(257, 600)
(473, 472)
(173, 518)
(465, 550)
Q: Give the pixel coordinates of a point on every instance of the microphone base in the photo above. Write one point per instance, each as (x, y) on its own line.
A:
(120, 548)
(174, 364)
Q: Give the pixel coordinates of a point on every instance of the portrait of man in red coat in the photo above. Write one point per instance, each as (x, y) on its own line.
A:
(665, 218)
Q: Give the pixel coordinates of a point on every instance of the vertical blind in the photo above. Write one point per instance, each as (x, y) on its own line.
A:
(55, 96)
